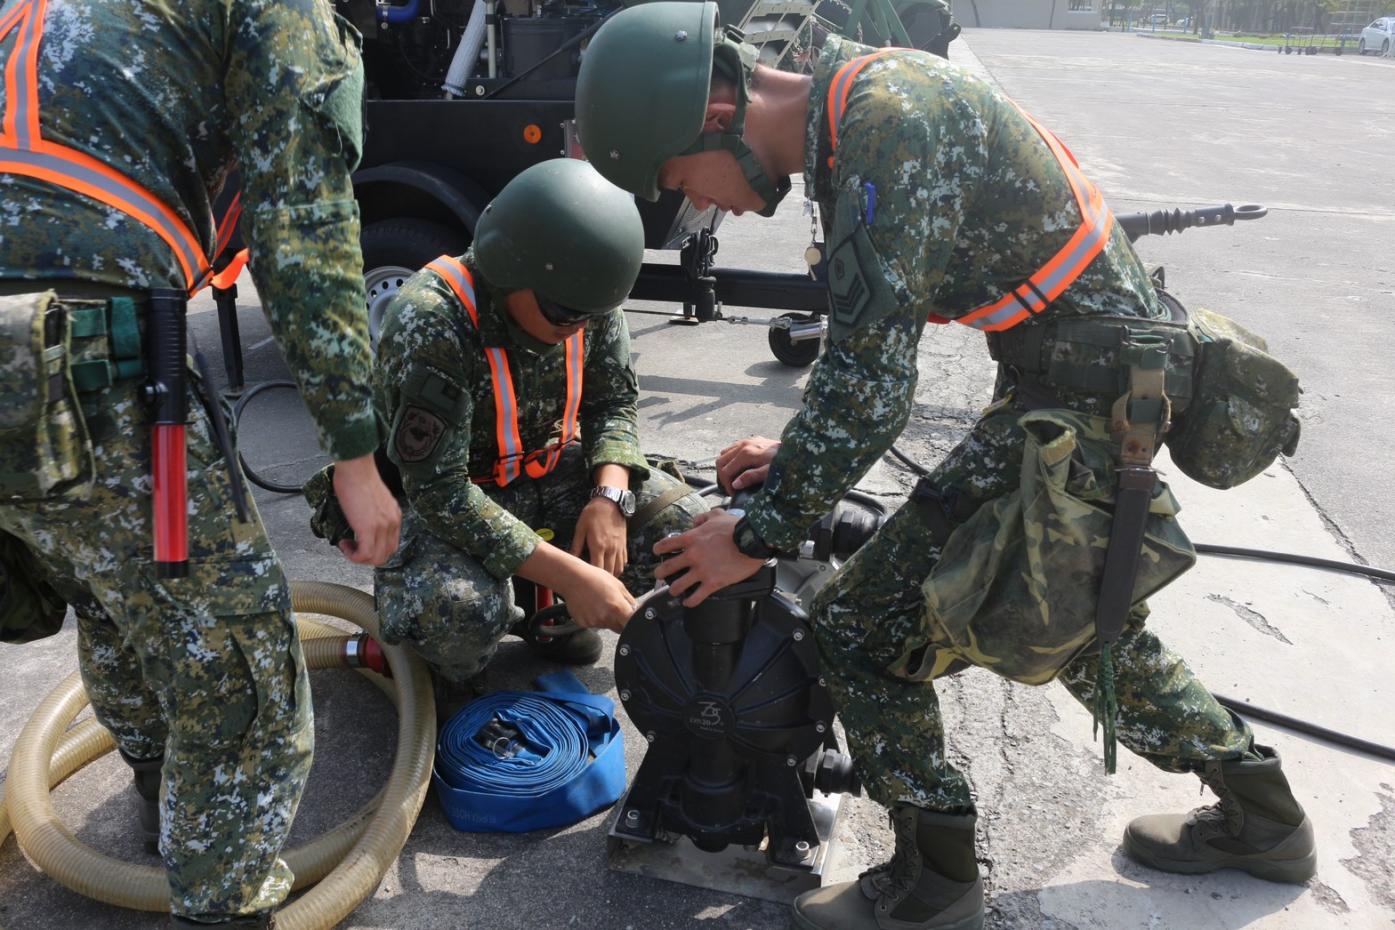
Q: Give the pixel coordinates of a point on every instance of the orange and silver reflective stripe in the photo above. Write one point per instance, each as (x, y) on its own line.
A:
(24, 152)
(839, 89)
(228, 276)
(227, 228)
(553, 453)
(506, 469)
(1036, 293)
(511, 459)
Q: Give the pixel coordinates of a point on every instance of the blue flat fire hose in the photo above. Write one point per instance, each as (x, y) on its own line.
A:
(516, 761)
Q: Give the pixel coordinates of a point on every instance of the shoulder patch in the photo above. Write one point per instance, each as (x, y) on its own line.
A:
(418, 433)
(431, 390)
(859, 292)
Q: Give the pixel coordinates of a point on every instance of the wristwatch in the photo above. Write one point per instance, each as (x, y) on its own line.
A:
(622, 498)
(748, 541)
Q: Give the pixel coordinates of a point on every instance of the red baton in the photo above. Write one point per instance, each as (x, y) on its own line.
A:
(166, 345)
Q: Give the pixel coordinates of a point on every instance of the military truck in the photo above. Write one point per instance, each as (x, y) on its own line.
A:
(464, 94)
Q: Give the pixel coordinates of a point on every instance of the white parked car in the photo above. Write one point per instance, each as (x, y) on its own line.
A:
(1377, 37)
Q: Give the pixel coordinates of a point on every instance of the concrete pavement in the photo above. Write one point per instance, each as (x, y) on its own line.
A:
(1311, 644)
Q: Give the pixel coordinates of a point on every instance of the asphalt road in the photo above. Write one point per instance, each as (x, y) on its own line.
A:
(1160, 124)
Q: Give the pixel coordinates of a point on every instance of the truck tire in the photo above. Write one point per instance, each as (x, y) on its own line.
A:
(394, 250)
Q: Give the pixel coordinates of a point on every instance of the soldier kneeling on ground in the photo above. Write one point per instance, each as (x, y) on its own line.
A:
(505, 377)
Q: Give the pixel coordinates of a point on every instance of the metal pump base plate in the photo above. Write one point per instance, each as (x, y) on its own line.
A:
(742, 870)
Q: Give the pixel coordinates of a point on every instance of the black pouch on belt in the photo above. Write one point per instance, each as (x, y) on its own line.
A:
(29, 608)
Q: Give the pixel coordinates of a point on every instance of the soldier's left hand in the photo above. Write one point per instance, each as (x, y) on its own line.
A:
(600, 532)
(708, 557)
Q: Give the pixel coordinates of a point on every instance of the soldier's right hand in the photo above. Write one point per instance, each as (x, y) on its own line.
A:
(371, 510)
(745, 463)
(597, 598)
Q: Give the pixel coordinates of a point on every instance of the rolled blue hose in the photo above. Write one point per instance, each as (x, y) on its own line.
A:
(566, 763)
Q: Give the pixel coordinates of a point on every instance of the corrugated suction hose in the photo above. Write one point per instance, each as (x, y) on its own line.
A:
(345, 865)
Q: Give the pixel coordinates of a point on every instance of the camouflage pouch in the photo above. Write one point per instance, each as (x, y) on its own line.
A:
(1241, 417)
(1017, 584)
(29, 608)
(47, 453)
(327, 520)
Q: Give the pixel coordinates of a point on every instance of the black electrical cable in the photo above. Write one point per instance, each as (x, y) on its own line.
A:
(1264, 555)
(265, 484)
(910, 463)
(1298, 725)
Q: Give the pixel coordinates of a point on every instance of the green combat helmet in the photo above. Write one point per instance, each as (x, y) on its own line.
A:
(641, 96)
(562, 230)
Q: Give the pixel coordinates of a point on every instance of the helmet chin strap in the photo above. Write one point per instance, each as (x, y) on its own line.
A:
(737, 61)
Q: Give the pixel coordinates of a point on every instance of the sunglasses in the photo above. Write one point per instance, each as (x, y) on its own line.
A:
(558, 315)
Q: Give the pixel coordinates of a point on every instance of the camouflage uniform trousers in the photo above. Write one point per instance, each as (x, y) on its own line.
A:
(872, 614)
(205, 670)
(440, 600)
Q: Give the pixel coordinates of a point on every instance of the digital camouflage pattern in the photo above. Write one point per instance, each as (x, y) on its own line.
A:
(434, 388)
(206, 670)
(1243, 415)
(941, 198)
(879, 650)
(446, 591)
(969, 202)
(453, 611)
(173, 95)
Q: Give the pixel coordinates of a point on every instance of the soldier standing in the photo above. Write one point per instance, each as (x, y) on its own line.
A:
(121, 120)
(505, 374)
(942, 200)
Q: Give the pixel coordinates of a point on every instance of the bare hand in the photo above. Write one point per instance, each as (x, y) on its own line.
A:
(601, 532)
(371, 510)
(709, 555)
(746, 462)
(597, 599)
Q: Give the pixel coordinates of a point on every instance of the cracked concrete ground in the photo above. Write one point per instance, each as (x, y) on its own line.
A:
(1139, 116)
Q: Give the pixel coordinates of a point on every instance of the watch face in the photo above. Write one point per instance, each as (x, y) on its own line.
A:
(625, 500)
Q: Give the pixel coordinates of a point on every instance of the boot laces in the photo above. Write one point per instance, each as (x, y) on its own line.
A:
(895, 879)
(1225, 817)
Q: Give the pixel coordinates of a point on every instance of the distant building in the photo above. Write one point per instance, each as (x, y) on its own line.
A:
(1029, 14)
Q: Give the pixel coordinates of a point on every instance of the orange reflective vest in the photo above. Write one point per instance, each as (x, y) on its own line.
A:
(512, 460)
(1050, 280)
(24, 151)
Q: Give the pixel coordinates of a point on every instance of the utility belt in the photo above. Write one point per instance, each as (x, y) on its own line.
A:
(1055, 358)
(1229, 403)
(107, 341)
(56, 350)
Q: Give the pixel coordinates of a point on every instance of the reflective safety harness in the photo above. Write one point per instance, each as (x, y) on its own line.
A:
(24, 151)
(512, 460)
(1050, 280)
(510, 762)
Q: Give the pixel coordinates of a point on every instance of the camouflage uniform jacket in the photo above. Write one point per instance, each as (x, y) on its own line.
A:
(173, 96)
(434, 387)
(961, 201)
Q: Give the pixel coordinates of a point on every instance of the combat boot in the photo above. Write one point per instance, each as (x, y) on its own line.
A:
(931, 882)
(581, 647)
(146, 775)
(1257, 826)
